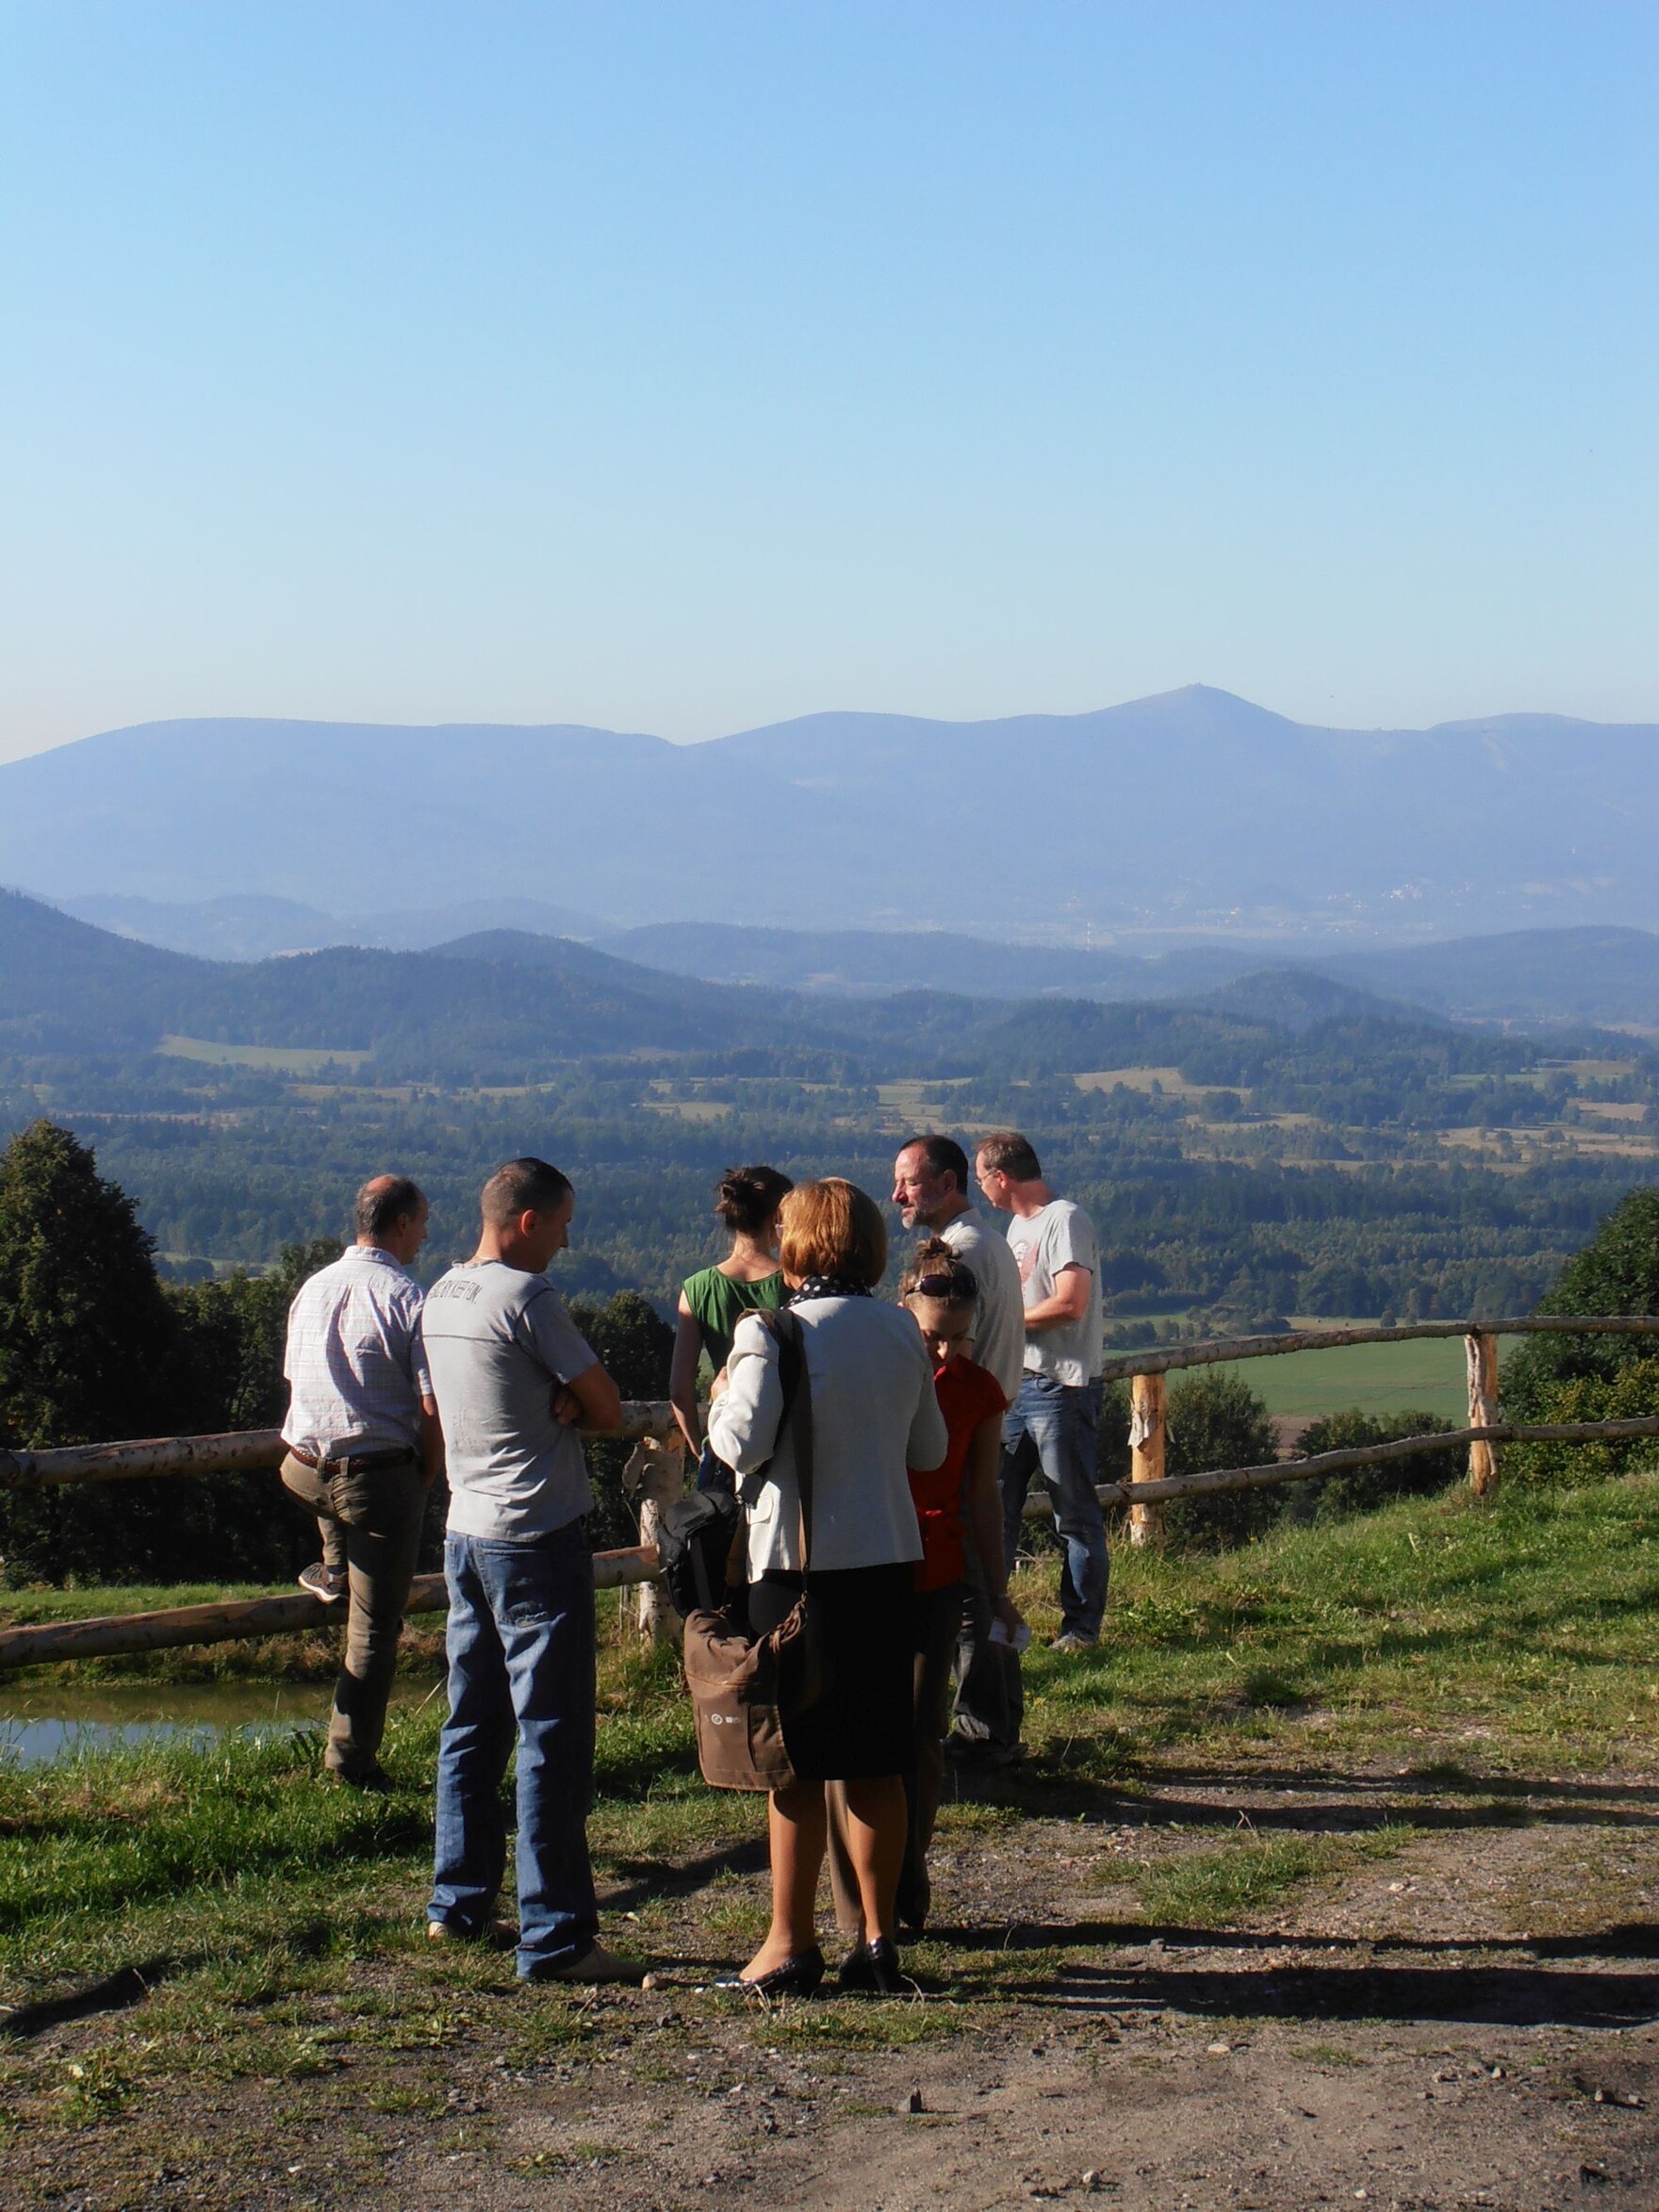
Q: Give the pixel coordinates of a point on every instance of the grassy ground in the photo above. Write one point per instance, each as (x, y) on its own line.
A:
(243, 1928)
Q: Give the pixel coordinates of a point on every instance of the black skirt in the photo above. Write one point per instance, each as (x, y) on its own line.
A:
(848, 1706)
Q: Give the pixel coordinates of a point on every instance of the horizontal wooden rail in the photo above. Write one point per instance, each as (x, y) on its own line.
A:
(1216, 1351)
(231, 1618)
(237, 1451)
(1359, 1455)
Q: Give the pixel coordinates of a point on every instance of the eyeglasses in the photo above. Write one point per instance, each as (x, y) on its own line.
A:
(943, 1287)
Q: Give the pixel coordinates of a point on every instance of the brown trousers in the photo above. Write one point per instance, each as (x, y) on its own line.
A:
(370, 1525)
(939, 1614)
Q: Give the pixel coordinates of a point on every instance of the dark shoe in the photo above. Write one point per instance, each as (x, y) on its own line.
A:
(796, 1977)
(979, 1752)
(872, 1970)
(595, 1964)
(325, 1583)
(372, 1778)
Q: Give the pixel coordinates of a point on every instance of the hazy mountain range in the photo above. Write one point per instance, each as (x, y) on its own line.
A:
(1195, 811)
(1597, 976)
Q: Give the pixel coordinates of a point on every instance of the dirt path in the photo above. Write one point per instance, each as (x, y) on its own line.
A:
(1459, 2010)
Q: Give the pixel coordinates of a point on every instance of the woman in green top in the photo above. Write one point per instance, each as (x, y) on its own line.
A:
(713, 1297)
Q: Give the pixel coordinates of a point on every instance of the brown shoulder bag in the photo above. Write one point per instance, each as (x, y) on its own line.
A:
(739, 1685)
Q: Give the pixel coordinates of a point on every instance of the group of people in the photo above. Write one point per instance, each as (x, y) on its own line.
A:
(928, 1418)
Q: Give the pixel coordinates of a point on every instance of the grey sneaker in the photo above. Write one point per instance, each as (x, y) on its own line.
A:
(329, 1584)
(595, 1964)
(1072, 1641)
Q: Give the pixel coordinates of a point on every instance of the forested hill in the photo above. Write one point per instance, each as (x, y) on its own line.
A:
(66, 987)
(505, 1007)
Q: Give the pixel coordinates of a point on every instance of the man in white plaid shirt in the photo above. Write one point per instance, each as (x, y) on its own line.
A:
(363, 1449)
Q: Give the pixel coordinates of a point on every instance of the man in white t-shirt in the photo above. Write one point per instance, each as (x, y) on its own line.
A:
(930, 1188)
(1055, 1423)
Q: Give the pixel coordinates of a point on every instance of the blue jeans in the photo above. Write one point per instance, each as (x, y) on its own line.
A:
(1054, 1427)
(520, 1648)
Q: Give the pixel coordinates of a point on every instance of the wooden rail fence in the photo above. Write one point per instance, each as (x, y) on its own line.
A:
(650, 1423)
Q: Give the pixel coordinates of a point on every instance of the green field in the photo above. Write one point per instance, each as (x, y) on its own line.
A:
(1426, 1372)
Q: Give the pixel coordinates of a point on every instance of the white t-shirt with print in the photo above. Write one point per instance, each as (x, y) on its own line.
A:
(1057, 1237)
(999, 1327)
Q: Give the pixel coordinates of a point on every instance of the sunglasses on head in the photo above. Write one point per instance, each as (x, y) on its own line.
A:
(940, 1286)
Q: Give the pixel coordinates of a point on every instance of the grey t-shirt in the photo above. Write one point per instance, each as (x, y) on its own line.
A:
(1058, 1237)
(500, 1345)
(999, 1318)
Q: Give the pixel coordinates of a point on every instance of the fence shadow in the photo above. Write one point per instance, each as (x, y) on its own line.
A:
(1511, 1996)
(1315, 1801)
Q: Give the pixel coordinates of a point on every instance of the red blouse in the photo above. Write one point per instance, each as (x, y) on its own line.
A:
(968, 1395)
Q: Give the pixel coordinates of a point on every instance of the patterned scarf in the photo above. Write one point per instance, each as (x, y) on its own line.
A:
(827, 1287)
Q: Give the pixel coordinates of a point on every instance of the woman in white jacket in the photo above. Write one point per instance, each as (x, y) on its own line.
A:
(874, 1414)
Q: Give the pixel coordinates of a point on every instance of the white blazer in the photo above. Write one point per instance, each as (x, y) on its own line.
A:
(874, 1415)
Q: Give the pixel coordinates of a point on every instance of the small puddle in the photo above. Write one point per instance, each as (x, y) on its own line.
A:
(38, 1728)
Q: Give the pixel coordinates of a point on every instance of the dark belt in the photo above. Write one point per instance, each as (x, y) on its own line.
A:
(354, 1462)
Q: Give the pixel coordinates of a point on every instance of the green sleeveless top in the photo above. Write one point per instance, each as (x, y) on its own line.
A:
(718, 1302)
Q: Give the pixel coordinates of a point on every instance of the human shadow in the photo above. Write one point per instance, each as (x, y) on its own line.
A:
(129, 1985)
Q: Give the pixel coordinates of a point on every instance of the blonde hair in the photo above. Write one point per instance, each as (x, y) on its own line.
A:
(833, 1228)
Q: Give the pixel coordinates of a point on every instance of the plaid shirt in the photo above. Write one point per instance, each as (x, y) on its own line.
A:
(355, 1364)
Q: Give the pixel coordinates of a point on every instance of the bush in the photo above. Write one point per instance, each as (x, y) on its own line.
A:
(1420, 1474)
(634, 1345)
(1217, 1420)
(1628, 1394)
(1592, 1378)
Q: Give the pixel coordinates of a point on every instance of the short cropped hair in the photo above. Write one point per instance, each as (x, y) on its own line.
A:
(944, 1156)
(384, 1201)
(748, 1197)
(523, 1187)
(1006, 1152)
(834, 1228)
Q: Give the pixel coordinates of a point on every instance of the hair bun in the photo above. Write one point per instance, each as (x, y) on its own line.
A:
(747, 1198)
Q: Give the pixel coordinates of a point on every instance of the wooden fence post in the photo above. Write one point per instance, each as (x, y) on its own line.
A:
(1147, 1433)
(655, 1474)
(1482, 1354)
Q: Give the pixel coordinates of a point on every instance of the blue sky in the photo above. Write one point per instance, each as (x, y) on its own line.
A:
(685, 367)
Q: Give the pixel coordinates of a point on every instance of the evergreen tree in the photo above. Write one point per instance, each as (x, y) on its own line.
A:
(89, 1352)
(86, 1342)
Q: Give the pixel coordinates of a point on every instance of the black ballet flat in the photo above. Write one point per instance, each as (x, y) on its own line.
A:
(796, 1977)
(872, 1970)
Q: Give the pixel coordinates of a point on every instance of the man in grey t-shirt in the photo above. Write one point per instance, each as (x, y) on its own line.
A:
(1055, 1425)
(511, 1376)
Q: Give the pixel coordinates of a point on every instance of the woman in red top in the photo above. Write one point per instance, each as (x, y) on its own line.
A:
(957, 1498)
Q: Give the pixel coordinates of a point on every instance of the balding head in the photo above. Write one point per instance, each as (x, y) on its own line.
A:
(391, 1216)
